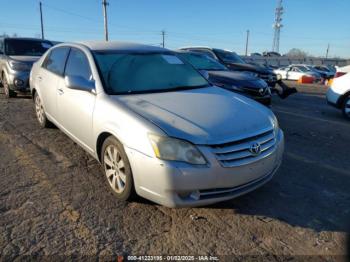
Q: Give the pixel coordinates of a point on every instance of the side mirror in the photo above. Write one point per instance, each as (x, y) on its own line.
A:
(79, 83)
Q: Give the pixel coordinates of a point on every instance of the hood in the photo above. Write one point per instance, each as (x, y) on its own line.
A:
(202, 116)
(27, 59)
(237, 78)
(249, 67)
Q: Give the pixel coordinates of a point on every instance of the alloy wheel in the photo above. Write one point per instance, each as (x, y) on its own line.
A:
(6, 88)
(39, 109)
(347, 108)
(114, 167)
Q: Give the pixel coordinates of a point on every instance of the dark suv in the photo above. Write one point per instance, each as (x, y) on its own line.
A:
(17, 56)
(235, 63)
(243, 83)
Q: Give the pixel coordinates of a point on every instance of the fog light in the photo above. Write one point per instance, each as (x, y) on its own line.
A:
(196, 195)
(19, 82)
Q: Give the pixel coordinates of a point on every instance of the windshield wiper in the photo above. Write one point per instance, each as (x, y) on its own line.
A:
(177, 88)
(187, 87)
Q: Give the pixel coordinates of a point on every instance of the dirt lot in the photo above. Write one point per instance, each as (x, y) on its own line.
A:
(53, 199)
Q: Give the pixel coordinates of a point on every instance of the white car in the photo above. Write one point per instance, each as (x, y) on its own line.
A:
(338, 94)
(295, 72)
(156, 125)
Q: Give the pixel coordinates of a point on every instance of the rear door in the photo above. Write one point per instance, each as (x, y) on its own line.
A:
(75, 107)
(48, 77)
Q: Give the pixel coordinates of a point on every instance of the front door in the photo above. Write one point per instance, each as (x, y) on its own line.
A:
(76, 107)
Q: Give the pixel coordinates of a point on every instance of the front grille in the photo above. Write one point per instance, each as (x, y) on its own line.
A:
(223, 192)
(255, 92)
(238, 153)
(268, 77)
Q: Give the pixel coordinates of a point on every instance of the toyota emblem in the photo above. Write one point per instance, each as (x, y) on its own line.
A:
(255, 149)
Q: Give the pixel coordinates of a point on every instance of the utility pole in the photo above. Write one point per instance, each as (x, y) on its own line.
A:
(327, 52)
(277, 26)
(104, 3)
(41, 21)
(247, 43)
(163, 38)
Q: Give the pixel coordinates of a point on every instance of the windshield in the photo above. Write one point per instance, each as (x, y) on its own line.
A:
(303, 69)
(23, 47)
(229, 57)
(202, 62)
(125, 73)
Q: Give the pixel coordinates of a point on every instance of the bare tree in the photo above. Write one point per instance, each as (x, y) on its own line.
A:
(297, 53)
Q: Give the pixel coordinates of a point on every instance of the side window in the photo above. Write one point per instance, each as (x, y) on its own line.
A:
(1, 46)
(206, 52)
(56, 60)
(78, 65)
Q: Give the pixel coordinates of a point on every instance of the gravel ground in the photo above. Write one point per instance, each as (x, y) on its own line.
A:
(54, 201)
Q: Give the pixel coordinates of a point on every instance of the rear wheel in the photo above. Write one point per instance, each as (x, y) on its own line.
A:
(117, 169)
(40, 112)
(8, 92)
(346, 107)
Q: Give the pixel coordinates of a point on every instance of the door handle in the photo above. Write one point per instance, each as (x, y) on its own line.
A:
(40, 78)
(60, 91)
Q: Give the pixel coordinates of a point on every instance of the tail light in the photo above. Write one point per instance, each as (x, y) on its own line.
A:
(339, 74)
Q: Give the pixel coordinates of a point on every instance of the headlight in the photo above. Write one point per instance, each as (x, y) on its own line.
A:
(172, 149)
(234, 87)
(19, 66)
(249, 73)
(276, 126)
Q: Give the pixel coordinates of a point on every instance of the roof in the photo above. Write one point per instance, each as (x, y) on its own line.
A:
(121, 46)
(23, 38)
(187, 47)
(203, 47)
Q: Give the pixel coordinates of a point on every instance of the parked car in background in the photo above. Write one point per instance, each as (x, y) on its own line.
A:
(338, 94)
(323, 74)
(235, 63)
(295, 72)
(255, 55)
(271, 54)
(155, 123)
(17, 56)
(343, 70)
(219, 75)
(325, 71)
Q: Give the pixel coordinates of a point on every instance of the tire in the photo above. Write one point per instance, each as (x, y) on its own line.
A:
(40, 112)
(8, 92)
(346, 107)
(116, 167)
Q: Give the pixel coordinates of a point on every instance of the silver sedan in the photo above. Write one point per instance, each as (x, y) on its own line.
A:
(158, 128)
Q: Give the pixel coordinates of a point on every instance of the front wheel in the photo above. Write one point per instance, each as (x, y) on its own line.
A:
(117, 169)
(346, 107)
(8, 92)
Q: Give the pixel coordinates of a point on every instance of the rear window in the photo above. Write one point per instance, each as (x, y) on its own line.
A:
(22, 47)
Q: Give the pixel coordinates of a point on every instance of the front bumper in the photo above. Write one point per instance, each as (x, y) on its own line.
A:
(265, 100)
(19, 81)
(333, 98)
(176, 184)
